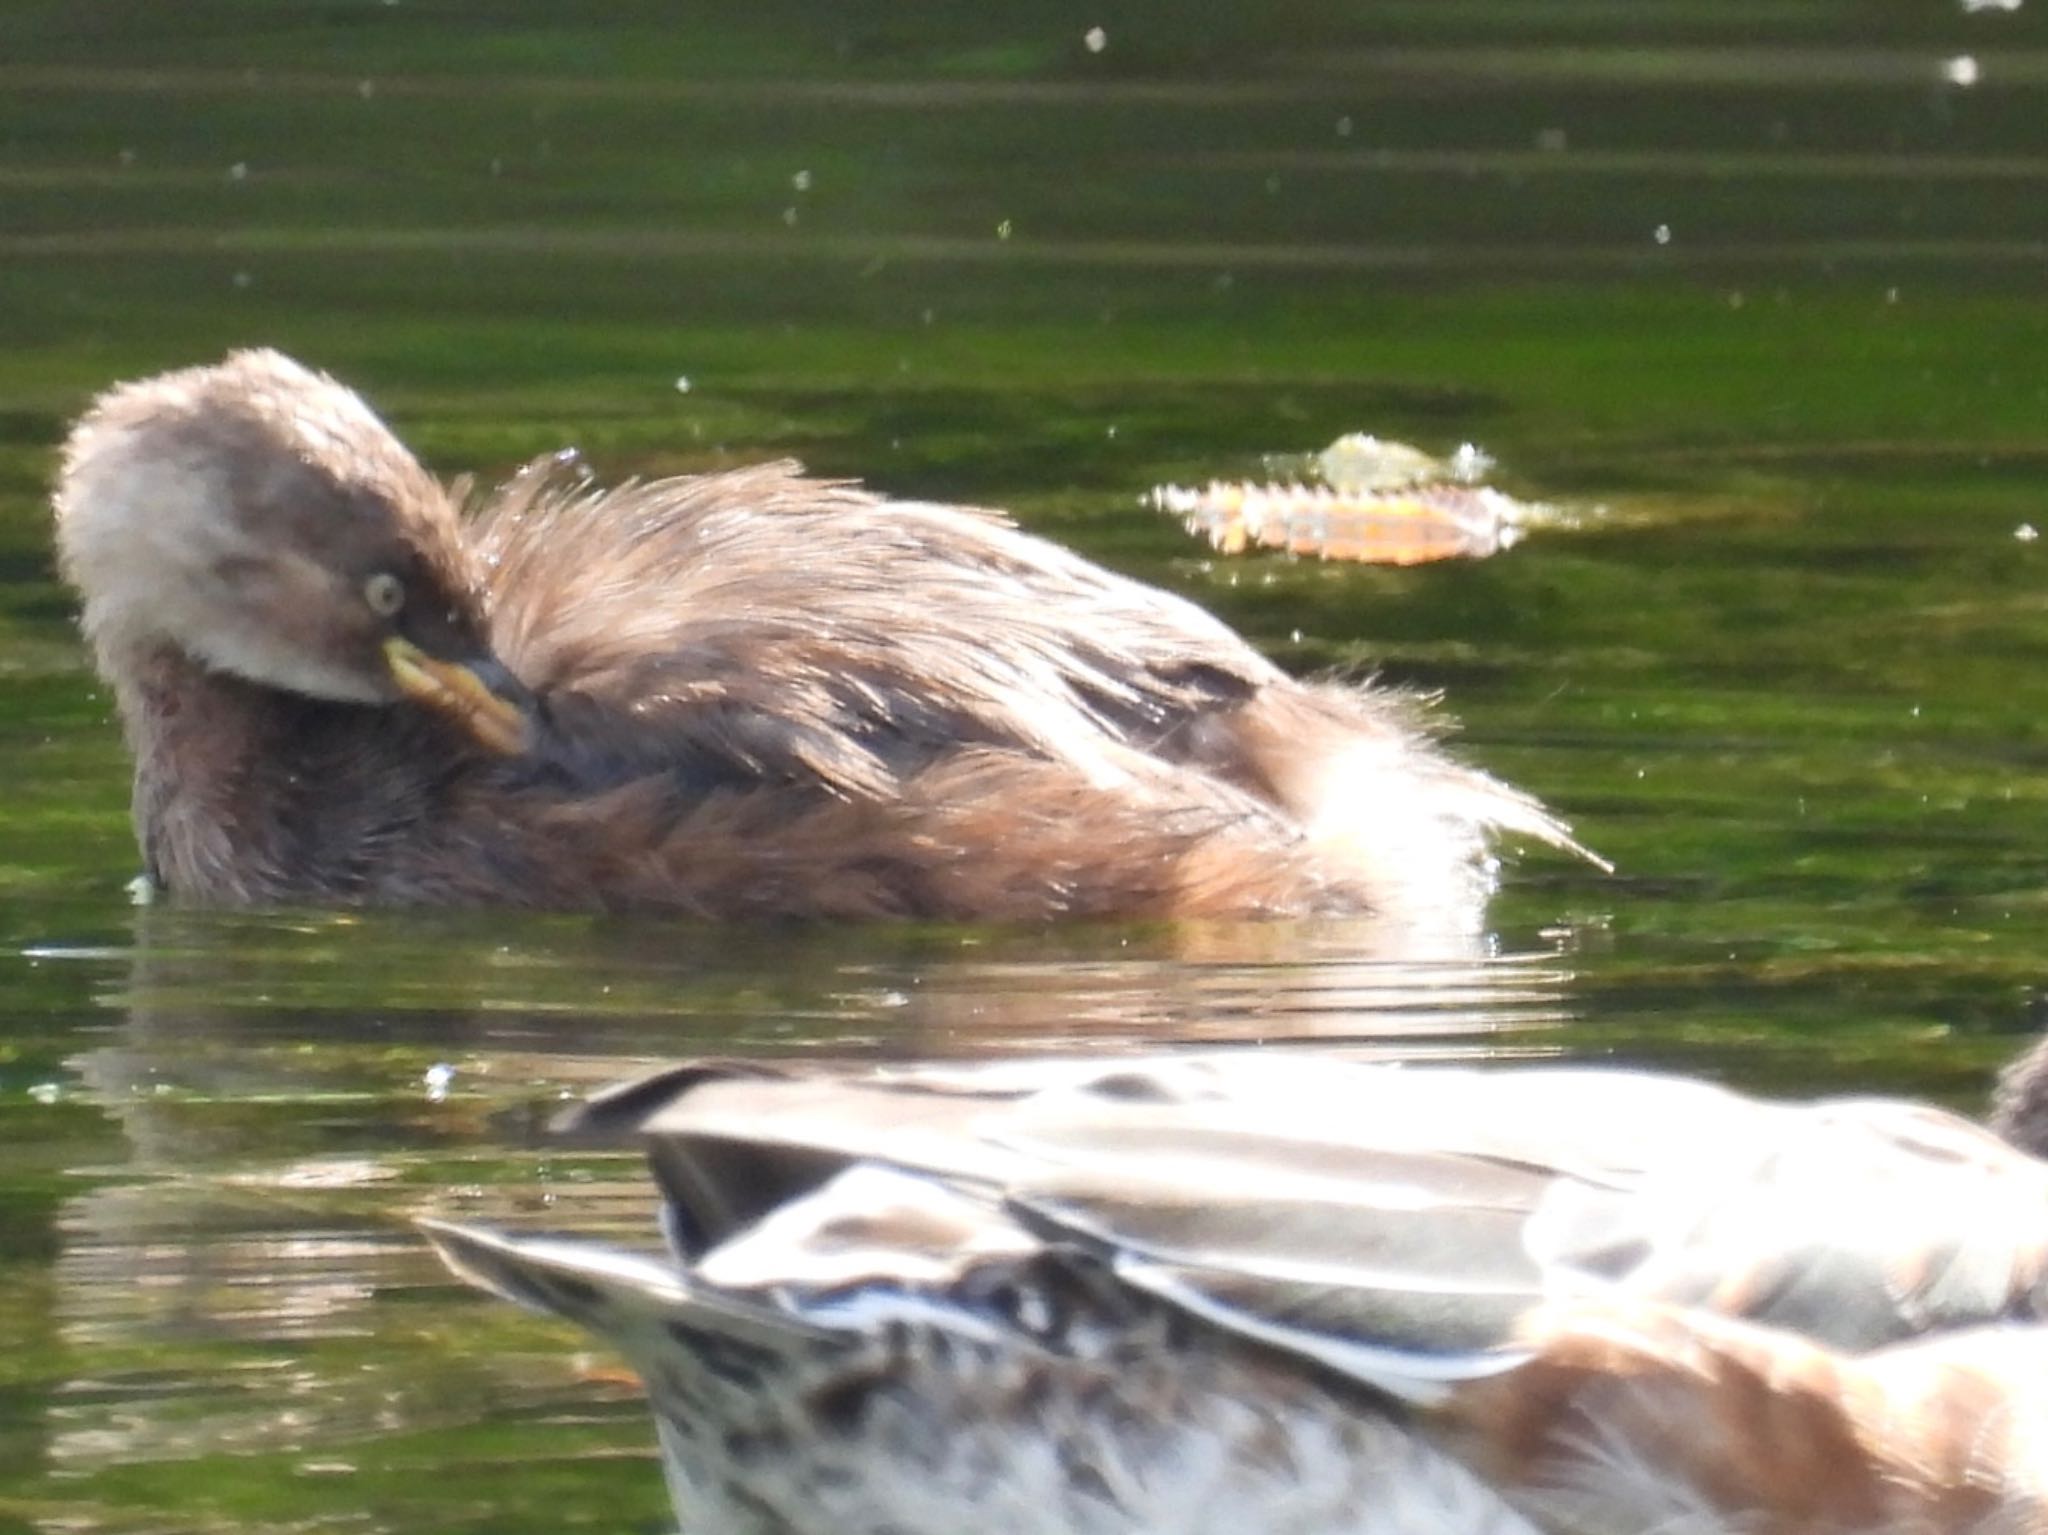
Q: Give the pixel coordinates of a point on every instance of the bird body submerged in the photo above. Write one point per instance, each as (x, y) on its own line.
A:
(731, 694)
(1294, 1294)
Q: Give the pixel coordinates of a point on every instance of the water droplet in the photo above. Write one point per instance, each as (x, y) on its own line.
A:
(1471, 463)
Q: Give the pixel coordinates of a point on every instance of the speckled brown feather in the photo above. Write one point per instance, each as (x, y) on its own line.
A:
(1763, 1429)
(1620, 1303)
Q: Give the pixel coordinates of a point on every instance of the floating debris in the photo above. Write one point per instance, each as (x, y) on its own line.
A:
(1362, 499)
(1359, 461)
(1373, 527)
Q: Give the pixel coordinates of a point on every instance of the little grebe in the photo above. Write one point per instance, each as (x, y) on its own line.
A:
(733, 694)
(1287, 1292)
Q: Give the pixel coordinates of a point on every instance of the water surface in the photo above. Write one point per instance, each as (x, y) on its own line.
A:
(1751, 288)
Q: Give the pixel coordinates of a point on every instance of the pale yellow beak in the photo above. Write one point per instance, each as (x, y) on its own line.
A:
(495, 723)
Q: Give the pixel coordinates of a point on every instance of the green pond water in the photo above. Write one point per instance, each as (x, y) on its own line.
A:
(1753, 289)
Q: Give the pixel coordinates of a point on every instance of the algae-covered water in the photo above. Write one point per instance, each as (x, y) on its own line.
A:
(1752, 290)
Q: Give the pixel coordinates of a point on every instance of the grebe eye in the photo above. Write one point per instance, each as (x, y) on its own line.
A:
(385, 593)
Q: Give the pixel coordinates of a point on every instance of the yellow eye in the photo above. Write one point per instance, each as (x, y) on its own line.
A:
(385, 593)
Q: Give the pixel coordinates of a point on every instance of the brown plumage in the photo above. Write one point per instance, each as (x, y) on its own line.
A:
(736, 694)
(1762, 1431)
(1290, 1292)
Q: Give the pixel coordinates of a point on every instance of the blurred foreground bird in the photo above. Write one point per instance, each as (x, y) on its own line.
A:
(728, 695)
(1219, 1294)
